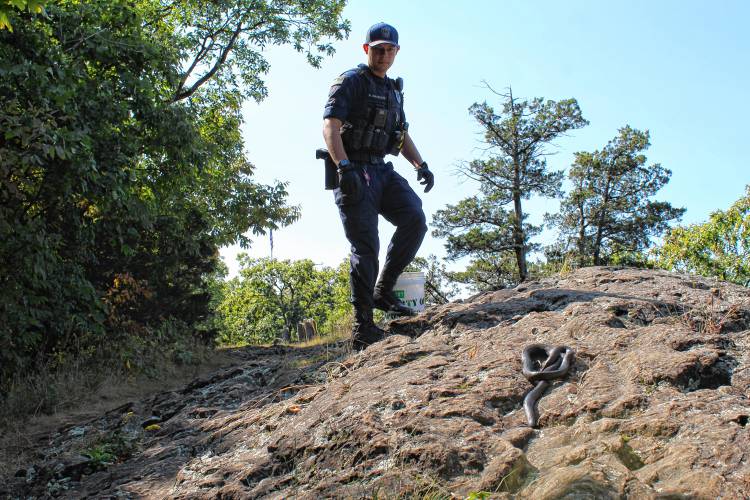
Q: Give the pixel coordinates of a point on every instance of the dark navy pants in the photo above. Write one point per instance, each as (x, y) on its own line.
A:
(388, 194)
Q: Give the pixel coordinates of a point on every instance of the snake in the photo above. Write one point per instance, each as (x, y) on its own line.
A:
(540, 364)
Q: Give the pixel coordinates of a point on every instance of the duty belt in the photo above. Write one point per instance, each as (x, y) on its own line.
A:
(365, 157)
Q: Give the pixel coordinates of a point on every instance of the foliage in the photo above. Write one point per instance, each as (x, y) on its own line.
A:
(341, 316)
(608, 216)
(557, 261)
(110, 448)
(70, 379)
(272, 295)
(8, 7)
(116, 188)
(719, 247)
(517, 139)
(440, 286)
(493, 272)
(221, 43)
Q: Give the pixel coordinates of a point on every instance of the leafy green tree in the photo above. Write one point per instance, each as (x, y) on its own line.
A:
(271, 295)
(341, 317)
(440, 286)
(608, 216)
(8, 9)
(122, 168)
(220, 44)
(719, 247)
(518, 139)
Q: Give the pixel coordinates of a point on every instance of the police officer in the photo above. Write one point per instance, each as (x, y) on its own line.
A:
(363, 121)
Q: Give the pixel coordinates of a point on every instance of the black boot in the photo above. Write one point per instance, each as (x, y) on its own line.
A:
(365, 331)
(385, 300)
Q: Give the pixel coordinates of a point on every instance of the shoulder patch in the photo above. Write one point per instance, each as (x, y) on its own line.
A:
(338, 80)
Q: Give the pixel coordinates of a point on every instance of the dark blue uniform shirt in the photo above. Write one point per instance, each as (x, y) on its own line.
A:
(350, 90)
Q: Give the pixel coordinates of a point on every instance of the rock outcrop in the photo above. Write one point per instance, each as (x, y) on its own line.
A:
(656, 406)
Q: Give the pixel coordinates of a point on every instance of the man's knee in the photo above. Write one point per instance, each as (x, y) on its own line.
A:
(413, 221)
(419, 222)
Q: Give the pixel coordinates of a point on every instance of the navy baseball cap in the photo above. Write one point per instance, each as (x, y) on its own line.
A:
(381, 33)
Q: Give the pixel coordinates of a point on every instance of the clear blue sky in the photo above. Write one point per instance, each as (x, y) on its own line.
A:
(677, 68)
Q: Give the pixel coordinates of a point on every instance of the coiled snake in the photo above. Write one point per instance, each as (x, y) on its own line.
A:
(540, 365)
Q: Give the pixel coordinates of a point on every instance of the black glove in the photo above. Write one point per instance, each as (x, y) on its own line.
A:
(427, 177)
(350, 181)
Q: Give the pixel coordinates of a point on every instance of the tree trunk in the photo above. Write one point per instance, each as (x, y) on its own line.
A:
(518, 236)
(597, 246)
(582, 238)
(600, 225)
(519, 239)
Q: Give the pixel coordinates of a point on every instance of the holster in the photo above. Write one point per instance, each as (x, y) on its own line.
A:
(331, 175)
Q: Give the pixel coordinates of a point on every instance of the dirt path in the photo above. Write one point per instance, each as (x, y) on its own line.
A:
(113, 427)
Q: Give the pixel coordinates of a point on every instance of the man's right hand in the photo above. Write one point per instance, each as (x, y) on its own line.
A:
(427, 177)
(350, 181)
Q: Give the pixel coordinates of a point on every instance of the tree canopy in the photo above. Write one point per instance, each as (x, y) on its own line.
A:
(9, 8)
(270, 296)
(609, 213)
(719, 247)
(122, 167)
(518, 140)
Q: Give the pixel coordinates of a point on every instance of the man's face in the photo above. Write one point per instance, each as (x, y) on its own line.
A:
(380, 57)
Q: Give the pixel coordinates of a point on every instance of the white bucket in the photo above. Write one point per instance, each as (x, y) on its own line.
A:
(409, 289)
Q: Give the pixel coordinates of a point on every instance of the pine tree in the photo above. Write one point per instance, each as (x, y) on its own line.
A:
(609, 214)
(517, 139)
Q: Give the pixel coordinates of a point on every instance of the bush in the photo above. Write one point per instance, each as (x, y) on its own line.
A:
(271, 296)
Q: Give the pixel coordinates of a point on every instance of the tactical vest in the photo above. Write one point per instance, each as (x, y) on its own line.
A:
(375, 125)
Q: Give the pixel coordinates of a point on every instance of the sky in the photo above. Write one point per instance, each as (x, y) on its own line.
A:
(679, 69)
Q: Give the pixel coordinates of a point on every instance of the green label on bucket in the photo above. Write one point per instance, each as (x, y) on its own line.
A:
(400, 294)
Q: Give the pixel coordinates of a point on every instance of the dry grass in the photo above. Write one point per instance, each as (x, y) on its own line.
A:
(43, 402)
(49, 390)
(341, 331)
(711, 317)
(324, 340)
